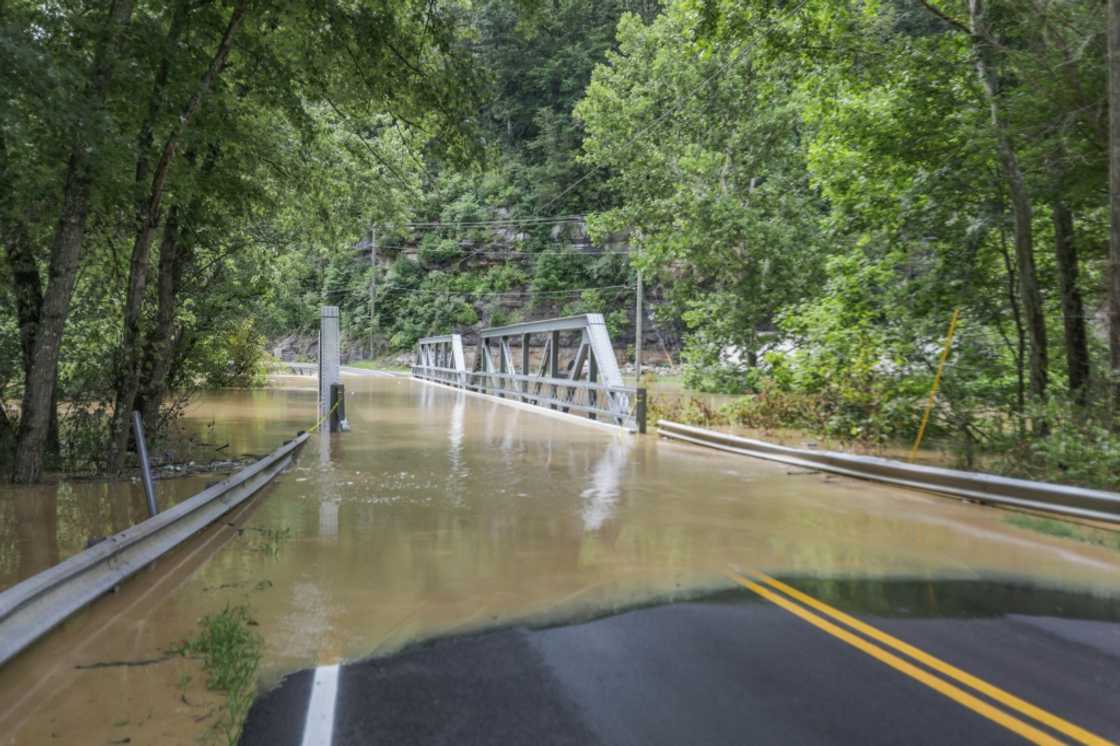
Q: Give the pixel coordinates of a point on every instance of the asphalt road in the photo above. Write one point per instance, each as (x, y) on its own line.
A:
(744, 668)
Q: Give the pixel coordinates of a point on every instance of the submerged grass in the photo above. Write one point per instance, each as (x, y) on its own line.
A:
(269, 540)
(230, 653)
(1066, 530)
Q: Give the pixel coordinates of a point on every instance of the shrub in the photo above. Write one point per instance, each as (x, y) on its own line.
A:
(1078, 447)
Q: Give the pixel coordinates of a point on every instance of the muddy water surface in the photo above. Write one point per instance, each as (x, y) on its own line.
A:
(441, 512)
(44, 524)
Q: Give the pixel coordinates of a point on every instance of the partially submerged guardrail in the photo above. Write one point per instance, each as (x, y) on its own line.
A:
(37, 605)
(588, 383)
(1077, 502)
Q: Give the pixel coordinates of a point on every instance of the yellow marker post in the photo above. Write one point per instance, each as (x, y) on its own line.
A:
(936, 381)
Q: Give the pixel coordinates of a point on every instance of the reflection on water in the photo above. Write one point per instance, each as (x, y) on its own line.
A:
(46, 523)
(443, 512)
(967, 599)
(604, 483)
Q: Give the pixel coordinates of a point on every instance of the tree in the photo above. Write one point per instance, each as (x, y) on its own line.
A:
(724, 216)
(149, 214)
(40, 378)
(69, 139)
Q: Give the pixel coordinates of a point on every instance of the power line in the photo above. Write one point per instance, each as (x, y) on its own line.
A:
(530, 255)
(500, 221)
(510, 294)
(680, 102)
(575, 251)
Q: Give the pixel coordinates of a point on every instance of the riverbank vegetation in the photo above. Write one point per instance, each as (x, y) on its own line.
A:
(158, 162)
(809, 191)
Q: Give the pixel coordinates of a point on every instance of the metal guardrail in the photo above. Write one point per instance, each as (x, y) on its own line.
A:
(37, 605)
(1077, 502)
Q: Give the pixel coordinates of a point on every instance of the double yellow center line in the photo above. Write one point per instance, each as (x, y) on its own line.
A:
(772, 590)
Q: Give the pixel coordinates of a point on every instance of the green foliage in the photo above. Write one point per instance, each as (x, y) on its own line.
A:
(308, 133)
(1080, 448)
(437, 251)
(809, 190)
(231, 653)
(706, 369)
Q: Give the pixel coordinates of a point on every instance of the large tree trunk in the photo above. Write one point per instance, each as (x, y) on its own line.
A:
(1019, 350)
(1029, 293)
(128, 379)
(175, 255)
(1073, 309)
(161, 339)
(27, 288)
(62, 274)
(145, 228)
(1114, 199)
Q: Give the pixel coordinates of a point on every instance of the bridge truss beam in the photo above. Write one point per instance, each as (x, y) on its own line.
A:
(529, 362)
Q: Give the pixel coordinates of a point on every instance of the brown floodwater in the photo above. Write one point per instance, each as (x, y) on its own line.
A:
(44, 524)
(442, 512)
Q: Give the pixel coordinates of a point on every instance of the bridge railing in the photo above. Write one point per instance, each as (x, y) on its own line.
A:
(624, 406)
(589, 383)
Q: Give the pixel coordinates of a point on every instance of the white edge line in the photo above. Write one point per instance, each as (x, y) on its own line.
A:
(318, 730)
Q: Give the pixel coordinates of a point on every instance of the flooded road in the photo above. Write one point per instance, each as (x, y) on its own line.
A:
(442, 513)
(44, 524)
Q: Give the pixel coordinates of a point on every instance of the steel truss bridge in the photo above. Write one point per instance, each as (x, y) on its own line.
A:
(565, 364)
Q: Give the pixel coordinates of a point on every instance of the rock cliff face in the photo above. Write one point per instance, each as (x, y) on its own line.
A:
(304, 348)
(295, 348)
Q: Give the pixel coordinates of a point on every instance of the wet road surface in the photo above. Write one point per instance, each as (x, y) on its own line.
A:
(737, 668)
(442, 514)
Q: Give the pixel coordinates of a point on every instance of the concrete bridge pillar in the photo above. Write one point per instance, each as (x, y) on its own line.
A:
(329, 356)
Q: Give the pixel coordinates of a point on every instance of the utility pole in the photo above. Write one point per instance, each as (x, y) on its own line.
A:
(1114, 203)
(372, 283)
(638, 334)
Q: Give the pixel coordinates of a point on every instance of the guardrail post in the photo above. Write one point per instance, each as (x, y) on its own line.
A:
(640, 410)
(145, 467)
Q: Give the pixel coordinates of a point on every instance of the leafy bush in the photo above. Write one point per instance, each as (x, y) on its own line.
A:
(687, 411)
(1078, 448)
(237, 360)
(706, 369)
(774, 408)
(435, 250)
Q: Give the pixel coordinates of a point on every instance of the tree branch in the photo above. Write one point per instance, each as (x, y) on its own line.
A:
(958, 25)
